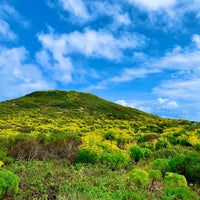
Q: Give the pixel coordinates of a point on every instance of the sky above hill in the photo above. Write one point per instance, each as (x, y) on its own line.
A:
(139, 53)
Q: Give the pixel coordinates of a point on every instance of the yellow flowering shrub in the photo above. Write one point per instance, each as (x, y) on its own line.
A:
(1, 163)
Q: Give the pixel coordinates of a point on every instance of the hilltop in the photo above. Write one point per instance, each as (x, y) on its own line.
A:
(72, 102)
(75, 145)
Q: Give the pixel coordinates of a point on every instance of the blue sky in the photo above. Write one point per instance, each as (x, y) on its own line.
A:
(139, 53)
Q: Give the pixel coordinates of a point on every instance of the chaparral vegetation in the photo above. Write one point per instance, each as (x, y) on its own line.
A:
(73, 145)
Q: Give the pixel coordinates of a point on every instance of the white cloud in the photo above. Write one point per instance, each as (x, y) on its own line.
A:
(129, 74)
(90, 43)
(180, 89)
(53, 57)
(121, 102)
(196, 40)
(154, 5)
(5, 31)
(167, 103)
(114, 10)
(17, 76)
(10, 13)
(101, 43)
(76, 7)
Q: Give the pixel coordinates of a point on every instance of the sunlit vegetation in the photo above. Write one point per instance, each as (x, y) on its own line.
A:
(71, 145)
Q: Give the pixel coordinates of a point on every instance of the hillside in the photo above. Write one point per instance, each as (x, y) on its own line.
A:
(74, 145)
(76, 104)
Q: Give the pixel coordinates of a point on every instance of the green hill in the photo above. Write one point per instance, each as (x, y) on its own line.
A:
(74, 145)
(75, 103)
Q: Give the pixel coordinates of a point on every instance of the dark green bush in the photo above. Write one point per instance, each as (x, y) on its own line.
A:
(109, 136)
(9, 183)
(138, 153)
(161, 144)
(187, 165)
(86, 155)
(161, 164)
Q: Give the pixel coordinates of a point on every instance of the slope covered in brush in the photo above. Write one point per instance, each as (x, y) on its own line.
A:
(75, 145)
(74, 103)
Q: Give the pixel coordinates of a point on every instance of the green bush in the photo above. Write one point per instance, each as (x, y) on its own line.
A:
(161, 164)
(114, 159)
(138, 153)
(109, 136)
(155, 174)
(172, 193)
(86, 155)
(161, 144)
(139, 177)
(4, 158)
(174, 180)
(187, 165)
(9, 182)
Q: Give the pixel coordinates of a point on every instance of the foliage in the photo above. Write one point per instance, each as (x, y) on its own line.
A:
(187, 165)
(138, 153)
(155, 174)
(161, 144)
(182, 193)
(161, 164)
(115, 159)
(9, 183)
(174, 180)
(87, 155)
(139, 177)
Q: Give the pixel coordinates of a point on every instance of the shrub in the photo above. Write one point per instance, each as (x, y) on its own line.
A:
(86, 155)
(4, 158)
(187, 165)
(139, 177)
(161, 144)
(138, 153)
(155, 174)
(179, 193)
(174, 180)
(161, 164)
(9, 182)
(109, 136)
(114, 159)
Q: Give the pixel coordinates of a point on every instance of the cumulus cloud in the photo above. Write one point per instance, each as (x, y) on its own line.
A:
(154, 5)
(144, 105)
(53, 57)
(102, 43)
(121, 102)
(90, 43)
(76, 7)
(196, 40)
(119, 16)
(167, 103)
(17, 76)
(5, 32)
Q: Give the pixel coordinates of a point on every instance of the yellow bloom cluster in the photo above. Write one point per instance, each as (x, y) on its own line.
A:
(1, 163)
(194, 140)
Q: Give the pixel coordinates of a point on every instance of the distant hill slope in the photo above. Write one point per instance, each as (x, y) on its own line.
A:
(77, 104)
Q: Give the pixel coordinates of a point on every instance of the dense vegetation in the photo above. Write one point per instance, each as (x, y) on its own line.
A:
(72, 145)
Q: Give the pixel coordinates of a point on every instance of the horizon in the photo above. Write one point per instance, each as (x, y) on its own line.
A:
(137, 53)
